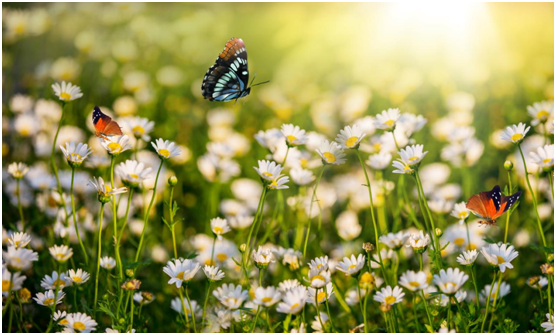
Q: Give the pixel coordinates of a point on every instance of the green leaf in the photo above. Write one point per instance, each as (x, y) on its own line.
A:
(488, 240)
(445, 246)
(237, 263)
(191, 256)
(103, 307)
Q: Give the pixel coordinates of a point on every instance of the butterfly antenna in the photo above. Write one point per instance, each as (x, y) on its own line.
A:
(257, 84)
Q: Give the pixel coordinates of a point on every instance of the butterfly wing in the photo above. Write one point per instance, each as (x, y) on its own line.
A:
(507, 203)
(476, 205)
(100, 120)
(486, 204)
(112, 128)
(227, 79)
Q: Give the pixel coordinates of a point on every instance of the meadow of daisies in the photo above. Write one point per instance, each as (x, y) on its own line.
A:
(300, 208)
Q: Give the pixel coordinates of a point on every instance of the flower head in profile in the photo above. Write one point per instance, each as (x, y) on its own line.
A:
(219, 227)
(468, 257)
(412, 154)
(107, 262)
(414, 281)
(496, 293)
(394, 241)
(350, 137)
(11, 282)
(450, 281)
(460, 212)
(56, 281)
(294, 135)
(544, 157)
(401, 167)
(515, 133)
(140, 127)
(389, 296)
(263, 257)
(132, 172)
(500, 255)
(116, 144)
(351, 266)
(78, 277)
(181, 271)
(18, 170)
(19, 258)
(19, 240)
(166, 149)
(279, 183)
(49, 298)
(79, 322)
(331, 153)
(61, 253)
(419, 242)
(319, 295)
(267, 296)
(67, 91)
(379, 161)
(213, 273)
(75, 155)
(540, 111)
(230, 295)
(293, 300)
(268, 170)
(105, 191)
(387, 119)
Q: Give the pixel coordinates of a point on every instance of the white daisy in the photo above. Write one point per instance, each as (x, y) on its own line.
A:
(75, 155)
(540, 111)
(293, 300)
(49, 298)
(515, 134)
(401, 167)
(387, 119)
(181, 271)
(78, 277)
(61, 253)
(320, 295)
(263, 257)
(279, 183)
(293, 134)
(267, 296)
(178, 305)
(19, 240)
(107, 262)
(268, 170)
(414, 281)
(379, 161)
(288, 284)
(318, 278)
(19, 259)
(504, 290)
(11, 282)
(302, 177)
(319, 263)
(230, 295)
(132, 172)
(140, 127)
(351, 266)
(219, 227)
(389, 296)
(166, 149)
(394, 241)
(419, 242)
(116, 144)
(67, 91)
(412, 155)
(350, 137)
(18, 170)
(331, 153)
(500, 255)
(460, 212)
(105, 191)
(468, 257)
(548, 326)
(213, 273)
(80, 322)
(544, 157)
(56, 281)
(537, 282)
(450, 281)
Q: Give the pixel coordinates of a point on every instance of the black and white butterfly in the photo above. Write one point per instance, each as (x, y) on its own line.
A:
(227, 79)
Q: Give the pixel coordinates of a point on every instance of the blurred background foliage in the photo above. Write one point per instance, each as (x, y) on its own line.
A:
(328, 65)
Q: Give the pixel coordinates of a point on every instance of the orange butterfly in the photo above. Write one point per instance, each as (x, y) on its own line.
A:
(104, 125)
(490, 205)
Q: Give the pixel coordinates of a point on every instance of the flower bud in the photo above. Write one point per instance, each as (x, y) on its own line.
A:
(24, 295)
(368, 246)
(243, 247)
(550, 258)
(508, 165)
(131, 285)
(547, 269)
(172, 181)
(438, 232)
(385, 308)
(367, 281)
(129, 273)
(104, 198)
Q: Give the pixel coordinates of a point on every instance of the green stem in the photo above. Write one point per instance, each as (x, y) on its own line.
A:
(317, 307)
(53, 153)
(255, 219)
(433, 226)
(256, 318)
(115, 219)
(205, 304)
(416, 320)
(146, 219)
(172, 230)
(365, 323)
(19, 205)
(329, 315)
(426, 307)
(488, 303)
(371, 208)
(476, 288)
(539, 224)
(98, 252)
(118, 241)
(190, 308)
(131, 311)
(509, 212)
(75, 218)
(311, 209)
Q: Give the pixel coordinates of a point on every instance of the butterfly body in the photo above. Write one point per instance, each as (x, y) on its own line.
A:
(491, 205)
(228, 78)
(104, 125)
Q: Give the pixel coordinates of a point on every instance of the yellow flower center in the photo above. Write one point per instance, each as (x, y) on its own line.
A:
(274, 184)
(303, 162)
(164, 153)
(471, 247)
(129, 285)
(49, 302)
(60, 256)
(377, 146)
(317, 277)
(209, 262)
(321, 296)
(63, 322)
(516, 137)
(351, 141)
(134, 176)
(294, 306)
(500, 260)
(268, 174)
(462, 215)
(6, 285)
(222, 257)
(114, 147)
(266, 299)
(59, 282)
(218, 230)
(77, 279)
(546, 160)
(138, 130)
(319, 266)
(25, 131)
(542, 115)
(414, 283)
(291, 138)
(459, 241)
(330, 158)
(389, 123)
(180, 275)
(406, 168)
(75, 157)
(65, 96)
(390, 300)
(414, 158)
(79, 326)
(352, 266)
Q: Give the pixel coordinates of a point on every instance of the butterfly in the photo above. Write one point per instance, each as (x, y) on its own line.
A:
(227, 79)
(104, 125)
(491, 205)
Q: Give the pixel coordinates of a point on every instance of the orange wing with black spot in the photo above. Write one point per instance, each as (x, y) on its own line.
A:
(104, 125)
(491, 205)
